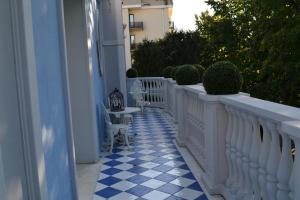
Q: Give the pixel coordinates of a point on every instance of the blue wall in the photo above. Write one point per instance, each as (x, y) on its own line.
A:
(51, 97)
(98, 79)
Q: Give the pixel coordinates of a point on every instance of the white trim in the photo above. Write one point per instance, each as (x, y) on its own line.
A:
(28, 99)
(67, 102)
(147, 7)
(132, 6)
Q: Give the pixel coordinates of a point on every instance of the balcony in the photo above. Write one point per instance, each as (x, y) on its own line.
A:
(136, 26)
(244, 146)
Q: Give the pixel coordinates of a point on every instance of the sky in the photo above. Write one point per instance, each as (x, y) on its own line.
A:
(184, 13)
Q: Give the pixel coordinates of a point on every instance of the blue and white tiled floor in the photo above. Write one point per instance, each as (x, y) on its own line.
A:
(153, 169)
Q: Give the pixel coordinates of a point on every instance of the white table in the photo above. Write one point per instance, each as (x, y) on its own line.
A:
(128, 110)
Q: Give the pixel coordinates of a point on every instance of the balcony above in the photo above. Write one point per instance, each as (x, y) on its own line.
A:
(145, 3)
(136, 26)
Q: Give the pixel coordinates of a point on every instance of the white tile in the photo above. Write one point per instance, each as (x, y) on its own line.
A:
(100, 186)
(123, 185)
(147, 151)
(154, 184)
(151, 173)
(104, 167)
(171, 156)
(188, 194)
(124, 196)
(148, 158)
(149, 165)
(96, 197)
(156, 195)
(178, 172)
(183, 182)
(124, 166)
(125, 159)
(174, 163)
(124, 175)
(102, 176)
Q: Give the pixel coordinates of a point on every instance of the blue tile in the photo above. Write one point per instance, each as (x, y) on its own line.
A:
(184, 167)
(109, 181)
(108, 192)
(160, 160)
(114, 156)
(138, 179)
(202, 197)
(163, 168)
(166, 177)
(175, 198)
(189, 176)
(136, 155)
(170, 188)
(111, 171)
(196, 186)
(139, 190)
(137, 170)
(113, 163)
(136, 162)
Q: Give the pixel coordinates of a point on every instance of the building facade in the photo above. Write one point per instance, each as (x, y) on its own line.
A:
(145, 19)
(57, 65)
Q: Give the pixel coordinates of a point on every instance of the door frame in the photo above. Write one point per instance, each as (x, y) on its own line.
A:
(27, 89)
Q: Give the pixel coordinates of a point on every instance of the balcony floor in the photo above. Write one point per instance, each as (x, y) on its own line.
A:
(153, 169)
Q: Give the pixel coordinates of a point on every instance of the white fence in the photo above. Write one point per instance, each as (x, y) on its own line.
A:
(246, 146)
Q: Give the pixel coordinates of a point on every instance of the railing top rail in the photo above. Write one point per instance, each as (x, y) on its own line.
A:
(266, 109)
(292, 128)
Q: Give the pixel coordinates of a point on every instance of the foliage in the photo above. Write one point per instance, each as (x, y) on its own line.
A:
(149, 58)
(174, 72)
(262, 37)
(200, 71)
(167, 72)
(132, 73)
(187, 75)
(222, 78)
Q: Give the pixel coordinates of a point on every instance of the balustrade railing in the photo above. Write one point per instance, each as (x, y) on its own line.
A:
(246, 147)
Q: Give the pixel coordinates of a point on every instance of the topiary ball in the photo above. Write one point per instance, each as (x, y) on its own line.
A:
(222, 78)
(167, 72)
(201, 71)
(173, 73)
(131, 73)
(187, 75)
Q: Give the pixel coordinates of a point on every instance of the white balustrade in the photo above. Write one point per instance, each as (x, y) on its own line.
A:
(246, 147)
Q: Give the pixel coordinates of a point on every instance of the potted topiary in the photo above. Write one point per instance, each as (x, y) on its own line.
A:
(167, 72)
(174, 71)
(132, 73)
(222, 78)
(201, 71)
(187, 75)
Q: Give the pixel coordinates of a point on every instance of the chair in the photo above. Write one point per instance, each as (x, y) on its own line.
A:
(114, 129)
(137, 91)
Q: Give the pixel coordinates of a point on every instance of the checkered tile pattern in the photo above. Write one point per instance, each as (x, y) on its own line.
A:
(153, 169)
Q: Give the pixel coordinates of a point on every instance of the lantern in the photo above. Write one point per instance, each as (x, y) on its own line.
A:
(116, 101)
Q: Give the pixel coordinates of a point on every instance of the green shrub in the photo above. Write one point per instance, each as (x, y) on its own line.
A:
(187, 75)
(167, 72)
(131, 73)
(222, 78)
(201, 71)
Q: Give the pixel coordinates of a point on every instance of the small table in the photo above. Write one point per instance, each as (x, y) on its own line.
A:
(127, 110)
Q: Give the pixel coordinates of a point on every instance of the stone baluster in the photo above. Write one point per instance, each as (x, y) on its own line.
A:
(233, 156)
(273, 161)
(228, 147)
(254, 158)
(263, 158)
(292, 183)
(240, 154)
(285, 168)
(296, 174)
(246, 155)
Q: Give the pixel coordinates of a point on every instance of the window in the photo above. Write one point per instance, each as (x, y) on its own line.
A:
(132, 39)
(131, 20)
